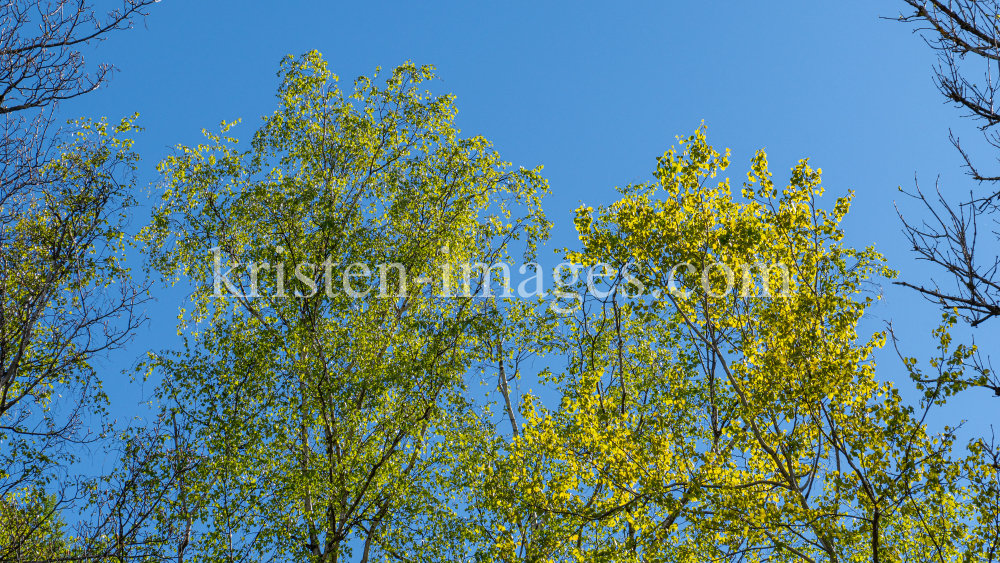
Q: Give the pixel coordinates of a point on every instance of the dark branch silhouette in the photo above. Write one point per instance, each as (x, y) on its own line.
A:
(960, 238)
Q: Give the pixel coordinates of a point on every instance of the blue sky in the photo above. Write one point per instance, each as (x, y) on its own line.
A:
(592, 91)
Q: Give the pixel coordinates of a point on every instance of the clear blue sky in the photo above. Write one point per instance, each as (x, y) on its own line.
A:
(594, 92)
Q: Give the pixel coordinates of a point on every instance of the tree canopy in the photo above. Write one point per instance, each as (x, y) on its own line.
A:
(350, 383)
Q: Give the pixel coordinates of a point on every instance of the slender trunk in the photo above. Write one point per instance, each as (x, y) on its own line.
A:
(368, 543)
(307, 498)
(875, 522)
(504, 391)
(185, 536)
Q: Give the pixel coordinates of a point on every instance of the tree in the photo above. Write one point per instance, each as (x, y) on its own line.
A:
(960, 31)
(963, 31)
(66, 296)
(718, 402)
(325, 366)
(40, 69)
(32, 529)
(730, 414)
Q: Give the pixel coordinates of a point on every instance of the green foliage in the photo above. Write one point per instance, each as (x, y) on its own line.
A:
(730, 412)
(31, 529)
(316, 424)
(62, 254)
(66, 298)
(716, 423)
